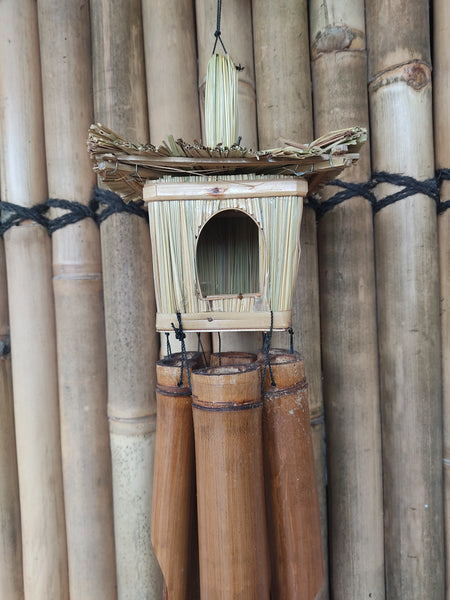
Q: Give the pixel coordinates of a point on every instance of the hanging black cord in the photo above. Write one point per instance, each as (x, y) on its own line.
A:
(220, 348)
(267, 341)
(217, 33)
(180, 335)
(291, 340)
(169, 349)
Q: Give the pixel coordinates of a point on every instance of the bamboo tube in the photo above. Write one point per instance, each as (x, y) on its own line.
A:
(132, 343)
(348, 315)
(77, 283)
(171, 63)
(236, 27)
(408, 301)
(174, 475)
(219, 359)
(31, 309)
(441, 92)
(293, 513)
(272, 48)
(11, 579)
(230, 487)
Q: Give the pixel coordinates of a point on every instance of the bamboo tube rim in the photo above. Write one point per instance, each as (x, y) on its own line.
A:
(224, 384)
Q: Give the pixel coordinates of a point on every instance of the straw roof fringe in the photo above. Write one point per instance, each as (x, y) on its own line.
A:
(124, 167)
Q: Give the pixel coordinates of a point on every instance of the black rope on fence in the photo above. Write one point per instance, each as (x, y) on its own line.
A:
(105, 203)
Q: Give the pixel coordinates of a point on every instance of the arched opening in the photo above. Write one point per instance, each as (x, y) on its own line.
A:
(228, 261)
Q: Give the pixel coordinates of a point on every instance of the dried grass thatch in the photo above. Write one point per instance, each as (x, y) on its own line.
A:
(124, 166)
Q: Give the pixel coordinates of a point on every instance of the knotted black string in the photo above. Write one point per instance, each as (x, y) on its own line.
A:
(168, 348)
(217, 33)
(181, 336)
(266, 348)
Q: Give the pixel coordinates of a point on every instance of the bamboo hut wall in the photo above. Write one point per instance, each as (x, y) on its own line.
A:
(408, 300)
(31, 309)
(132, 343)
(441, 93)
(348, 315)
(11, 578)
(281, 44)
(237, 36)
(77, 282)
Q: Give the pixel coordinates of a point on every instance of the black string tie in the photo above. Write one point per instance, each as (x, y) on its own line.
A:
(291, 340)
(266, 348)
(217, 33)
(180, 335)
(220, 348)
(169, 349)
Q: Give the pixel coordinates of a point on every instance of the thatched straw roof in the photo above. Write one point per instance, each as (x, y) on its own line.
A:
(124, 167)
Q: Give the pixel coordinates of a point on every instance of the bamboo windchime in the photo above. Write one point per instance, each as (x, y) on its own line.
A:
(225, 235)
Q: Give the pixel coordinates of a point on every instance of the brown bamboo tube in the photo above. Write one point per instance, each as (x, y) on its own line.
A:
(231, 358)
(237, 36)
(294, 121)
(348, 315)
(293, 513)
(77, 282)
(233, 547)
(174, 475)
(441, 91)
(11, 579)
(120, 102)
(408, 301)
(31, 309)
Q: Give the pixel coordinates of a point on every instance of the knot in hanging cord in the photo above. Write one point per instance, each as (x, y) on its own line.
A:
(180, 335)
(218, 33)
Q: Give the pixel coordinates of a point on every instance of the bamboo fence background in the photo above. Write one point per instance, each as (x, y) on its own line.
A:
(81, 304)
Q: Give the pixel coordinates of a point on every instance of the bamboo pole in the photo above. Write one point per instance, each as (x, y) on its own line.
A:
(31, 309)
(132, 343)
(11, 579)
(441, 92)
(348, 315)
(233, 547)
(280, 31)
(408, 301)
(174, 476)
(77, 283)
(171, 63)
(236, 28)
(293, 513)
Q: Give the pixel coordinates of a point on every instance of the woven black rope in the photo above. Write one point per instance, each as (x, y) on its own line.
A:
(181, 336)
(409, 186)
(266, 349)
(105, 203)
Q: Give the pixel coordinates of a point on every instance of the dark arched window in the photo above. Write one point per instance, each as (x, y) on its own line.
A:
(228, 261)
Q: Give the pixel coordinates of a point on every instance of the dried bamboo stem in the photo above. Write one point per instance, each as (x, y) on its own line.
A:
(293, 513)
(230, 483)
(132, 343)
(348, 315)
(31, 309)
(172, 88)
(11, 579)
(77, 283)
(441, 93)
(408, 301)
(174, 476)
(281, 44)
